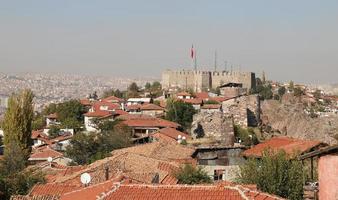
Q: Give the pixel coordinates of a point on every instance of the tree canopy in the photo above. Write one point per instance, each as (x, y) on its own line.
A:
(189, 174)
(275, 173)
(86, 148)
(180, 112)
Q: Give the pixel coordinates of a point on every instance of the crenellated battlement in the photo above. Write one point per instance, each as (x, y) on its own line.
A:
(202, 80)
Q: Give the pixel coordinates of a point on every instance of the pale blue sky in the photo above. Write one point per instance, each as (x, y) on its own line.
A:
(289, 39)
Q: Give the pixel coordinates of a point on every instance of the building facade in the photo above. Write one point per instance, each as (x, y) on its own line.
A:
(204, 80)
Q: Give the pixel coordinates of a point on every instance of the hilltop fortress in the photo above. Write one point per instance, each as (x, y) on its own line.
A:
(204, 80)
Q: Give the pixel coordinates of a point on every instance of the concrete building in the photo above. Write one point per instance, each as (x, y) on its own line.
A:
(204, 80)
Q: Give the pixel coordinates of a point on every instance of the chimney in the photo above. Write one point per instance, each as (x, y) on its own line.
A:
(106, 172)
(156, 179)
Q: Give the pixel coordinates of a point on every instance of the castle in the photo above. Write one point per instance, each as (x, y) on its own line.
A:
(205, 80)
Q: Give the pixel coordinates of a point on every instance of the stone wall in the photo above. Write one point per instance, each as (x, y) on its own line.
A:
(245, 110)
(213, 125)
(203, 80)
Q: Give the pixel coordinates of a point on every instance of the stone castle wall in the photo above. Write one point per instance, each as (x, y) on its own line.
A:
(203, 80)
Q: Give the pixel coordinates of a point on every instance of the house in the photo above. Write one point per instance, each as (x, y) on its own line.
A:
(52, 119)
(183, 95)
(210, 108)
(90, 117)
(196, 103)
(39, 138)
(170, 135)
(132, 101)
(108, 106)
(232, 90)
(143, 125)
(113, 99)
(152, 109)
(327, 167)
(134, 109)
(292, 147)
(42, 155)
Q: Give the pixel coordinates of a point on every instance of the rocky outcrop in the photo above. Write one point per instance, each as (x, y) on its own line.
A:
(214, 125)
(291, 120)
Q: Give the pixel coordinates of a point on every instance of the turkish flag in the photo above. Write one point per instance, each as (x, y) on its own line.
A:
(192, 52)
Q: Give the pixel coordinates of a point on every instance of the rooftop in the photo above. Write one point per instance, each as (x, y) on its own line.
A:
(289, 145)
(184, 192)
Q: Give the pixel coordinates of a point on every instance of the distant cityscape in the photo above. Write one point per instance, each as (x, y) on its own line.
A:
(61, 87)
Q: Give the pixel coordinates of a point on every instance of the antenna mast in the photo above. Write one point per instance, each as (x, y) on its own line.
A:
(215, 63)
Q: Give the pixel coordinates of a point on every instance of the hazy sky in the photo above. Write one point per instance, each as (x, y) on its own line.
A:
(289, 39)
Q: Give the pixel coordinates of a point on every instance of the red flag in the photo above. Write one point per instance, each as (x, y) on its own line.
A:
(192, 52)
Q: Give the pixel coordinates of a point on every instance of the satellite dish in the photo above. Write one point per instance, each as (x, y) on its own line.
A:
(183, 138)
(85, 178)
(49, 159)
(179, 136)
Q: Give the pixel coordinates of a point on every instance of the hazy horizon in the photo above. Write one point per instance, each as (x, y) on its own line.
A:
(289, 40)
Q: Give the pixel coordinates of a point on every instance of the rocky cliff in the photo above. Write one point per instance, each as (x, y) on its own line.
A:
(291, 120)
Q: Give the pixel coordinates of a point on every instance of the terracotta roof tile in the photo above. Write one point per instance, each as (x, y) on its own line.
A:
(110, 106)
(183, 94)
(52, 189)
(177, 192)
(99, 113)
(151, 106)
(202, 95)
(44, 153)
(134, 120)
(86, 102)
(289, 145)
(173, 133)
(112, 99)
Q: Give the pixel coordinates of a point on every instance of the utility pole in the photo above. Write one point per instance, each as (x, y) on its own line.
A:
(225, 65)
(215, 62)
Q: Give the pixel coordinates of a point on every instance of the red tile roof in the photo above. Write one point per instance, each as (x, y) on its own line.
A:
(173, 133)
(193, 101)
(183, 192)
(202, 95)
(220, 99)
(38, 134)
(183, 94)
(120, 112)
(44, 153)
(89, 192)
(85, 102)
(146, 121)
(52, 189)
(289, 145)
(112, 99)
(99, 113)
(110, 106)
(151, 106)
(133, 107)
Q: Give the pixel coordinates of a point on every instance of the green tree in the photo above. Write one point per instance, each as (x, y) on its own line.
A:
(281, 91)
(112, 92)
(191, 175)
(53, 131)
(275, 173)
(17, 123)
(211, 102)
(86, 148)
(317, 94)
(133, 87)
(298, 92)
(247, 136)
(38, 121)
(180, 112)
(147, 86)
(291, 86)
(71, 109)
